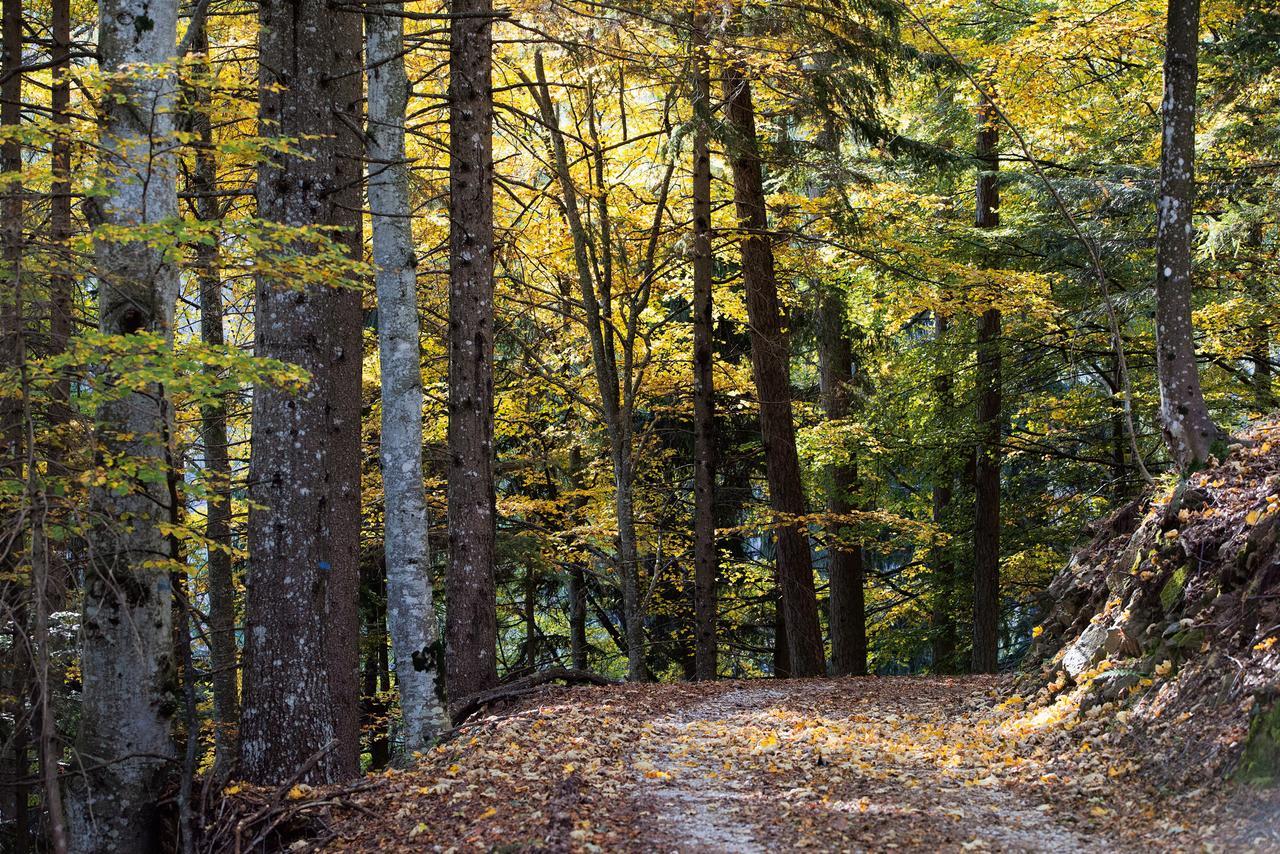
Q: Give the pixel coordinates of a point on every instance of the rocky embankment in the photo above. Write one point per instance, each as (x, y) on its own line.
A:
(1168, 622)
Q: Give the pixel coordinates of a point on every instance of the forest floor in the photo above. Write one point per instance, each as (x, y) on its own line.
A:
(896, 763)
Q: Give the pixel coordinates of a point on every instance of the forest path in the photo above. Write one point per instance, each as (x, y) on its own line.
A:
(866, 764)
(901, 764)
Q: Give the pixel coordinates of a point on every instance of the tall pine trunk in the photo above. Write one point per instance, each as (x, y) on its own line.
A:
(986, 526)
(704, 436)
(300, 657)
(471, 619)
(845, 568)
(1189, 430)
(411, 617)
(770, 363)
(125, 748)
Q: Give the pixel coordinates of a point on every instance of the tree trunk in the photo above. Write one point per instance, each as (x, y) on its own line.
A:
(127, 667)
(1259, 332)
(617, 413)
(15, 670)
(301, 634)
(1189, 430)
(577, 576)
(374, 649)
(705, 559)
(342, 640)
(411, 616)
(471, 619)
(223, 652)
(845, 570)
(770, 364)
(986, 526)
(61, 281)
(941, 558)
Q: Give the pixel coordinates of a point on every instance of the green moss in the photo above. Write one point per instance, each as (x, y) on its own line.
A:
(1260, 764)
(1172, 590)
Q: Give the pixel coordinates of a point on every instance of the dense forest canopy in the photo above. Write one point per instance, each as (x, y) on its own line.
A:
(362, 357)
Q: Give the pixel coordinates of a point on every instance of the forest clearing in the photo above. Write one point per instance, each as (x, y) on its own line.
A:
(592, 425)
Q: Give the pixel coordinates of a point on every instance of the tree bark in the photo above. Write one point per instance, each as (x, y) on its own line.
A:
(301, 638)
(1259, 332)
(127, 668)
(411, 616)
(15, 662)
(1189, 430)
(941, 556)
(986, 527)
(61, 281)
(471, 618)
(577, 576)
(223, 652)
(845, 569)
(770, 364)
(705, 558)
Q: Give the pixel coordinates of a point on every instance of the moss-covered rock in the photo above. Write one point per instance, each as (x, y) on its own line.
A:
(1260, 763)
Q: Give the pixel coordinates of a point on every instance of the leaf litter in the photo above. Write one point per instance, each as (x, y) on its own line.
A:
(859, 764)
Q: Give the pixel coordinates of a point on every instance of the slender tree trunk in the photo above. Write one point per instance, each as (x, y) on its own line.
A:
(986, 527)
(941, 558)
(300, 657)
(617, 413)
(577, 577)
(411, 616)
(471, 619)
(705, 559)
(223, 653)
(530, 661)
(845, 569)
(770, 364)
(374, 584)
(1259, 333)
(1189, 430)
(15, 662)
(1119, 439)
(61, 281)
(127, 668)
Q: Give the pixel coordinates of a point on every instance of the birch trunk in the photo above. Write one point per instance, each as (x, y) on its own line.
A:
(128, 696)
(1189, 430)
(411, 617)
